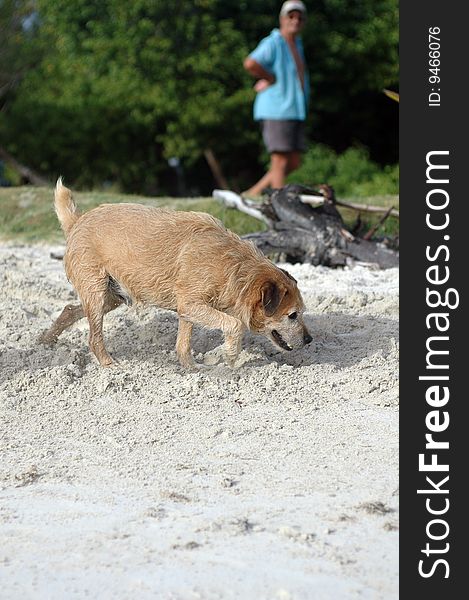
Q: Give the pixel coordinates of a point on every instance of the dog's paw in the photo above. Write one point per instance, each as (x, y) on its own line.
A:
(196, 367)
(46, 338)
(213, 357)
(240, 360)
(201, 367)
(187, 362)
(110, 363)
(231, 361)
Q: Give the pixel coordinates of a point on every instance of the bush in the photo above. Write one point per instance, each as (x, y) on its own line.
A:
(351, 173)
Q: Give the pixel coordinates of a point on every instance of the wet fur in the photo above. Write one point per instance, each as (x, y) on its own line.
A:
(183, 261)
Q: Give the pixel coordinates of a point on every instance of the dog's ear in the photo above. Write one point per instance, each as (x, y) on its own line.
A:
(288, 275)
(270, 297)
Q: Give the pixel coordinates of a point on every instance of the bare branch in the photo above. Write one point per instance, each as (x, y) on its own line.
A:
(233, 200)
(375, 228)
(368, 208)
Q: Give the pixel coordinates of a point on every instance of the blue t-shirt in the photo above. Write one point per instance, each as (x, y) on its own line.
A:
(285, 99)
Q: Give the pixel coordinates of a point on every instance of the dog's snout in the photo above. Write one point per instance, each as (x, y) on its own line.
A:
(307, 339)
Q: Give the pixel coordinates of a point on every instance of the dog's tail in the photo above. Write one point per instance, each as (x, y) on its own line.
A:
(65, 207)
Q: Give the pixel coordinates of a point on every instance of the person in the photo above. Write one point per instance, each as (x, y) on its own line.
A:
(282, 88)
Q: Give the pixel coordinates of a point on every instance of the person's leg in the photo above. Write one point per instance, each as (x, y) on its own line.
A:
(294, 161)
(264, 182)
(285, 140)
(279, 162)
(298, 141)
(282, 164)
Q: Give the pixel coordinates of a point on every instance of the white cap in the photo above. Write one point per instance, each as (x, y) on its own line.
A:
(292, 5)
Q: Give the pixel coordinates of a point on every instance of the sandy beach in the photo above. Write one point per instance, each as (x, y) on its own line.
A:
(277, 480)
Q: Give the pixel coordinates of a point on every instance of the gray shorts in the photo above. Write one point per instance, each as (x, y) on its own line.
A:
(284, 136)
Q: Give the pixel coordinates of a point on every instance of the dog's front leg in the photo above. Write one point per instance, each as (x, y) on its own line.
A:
(233, 347)
(205, 315)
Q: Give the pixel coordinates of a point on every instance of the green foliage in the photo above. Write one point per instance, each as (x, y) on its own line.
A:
(128, 85)
(109, 90)
(356, 44)
(19, 50)
(351, 173)
(353, 54)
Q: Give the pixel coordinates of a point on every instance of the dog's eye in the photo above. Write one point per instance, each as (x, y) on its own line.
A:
(293, 316)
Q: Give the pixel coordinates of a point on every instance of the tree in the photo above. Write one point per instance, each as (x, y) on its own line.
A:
(18, 50)
(119, 87)
(353, 50)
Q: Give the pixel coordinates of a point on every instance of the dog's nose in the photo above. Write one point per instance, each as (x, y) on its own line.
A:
(307, 339)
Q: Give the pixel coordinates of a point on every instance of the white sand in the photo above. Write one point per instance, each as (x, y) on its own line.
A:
(278, 480)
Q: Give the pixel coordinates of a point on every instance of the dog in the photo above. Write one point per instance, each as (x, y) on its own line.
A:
(182, 261)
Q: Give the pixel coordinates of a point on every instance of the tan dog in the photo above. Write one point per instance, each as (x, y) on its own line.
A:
(182, 261)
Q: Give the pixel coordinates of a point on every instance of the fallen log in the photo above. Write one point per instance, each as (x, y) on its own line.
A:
(304, 233)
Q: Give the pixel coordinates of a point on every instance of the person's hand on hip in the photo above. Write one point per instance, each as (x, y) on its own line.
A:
(261, 85)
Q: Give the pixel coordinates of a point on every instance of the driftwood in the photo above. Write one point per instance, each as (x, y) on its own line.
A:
(305, 233)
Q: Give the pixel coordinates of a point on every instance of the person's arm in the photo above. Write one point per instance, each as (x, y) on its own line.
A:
(264, 77)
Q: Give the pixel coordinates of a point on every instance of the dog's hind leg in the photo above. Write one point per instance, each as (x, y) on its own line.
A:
(94, 311)
(70, 314)
(183, 343)
(95, 306)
